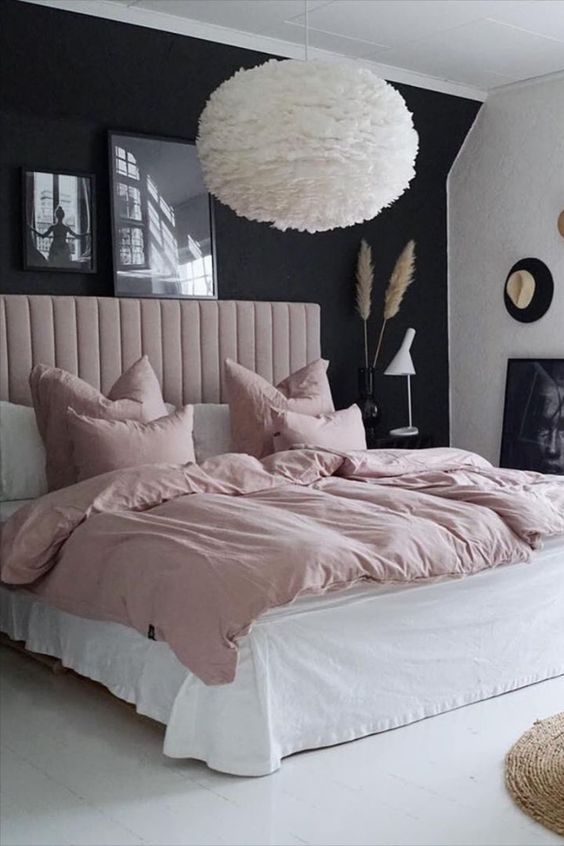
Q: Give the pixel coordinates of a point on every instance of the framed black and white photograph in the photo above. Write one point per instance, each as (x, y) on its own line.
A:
(162, 222)
(533, 420)
(59, 221)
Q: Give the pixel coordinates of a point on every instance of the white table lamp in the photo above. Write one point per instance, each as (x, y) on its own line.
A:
(402, 365)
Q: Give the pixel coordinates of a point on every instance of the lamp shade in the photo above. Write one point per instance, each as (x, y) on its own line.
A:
(402, 364)
(310, 146)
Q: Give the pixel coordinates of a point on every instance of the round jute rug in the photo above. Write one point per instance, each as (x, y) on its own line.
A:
(534, 772)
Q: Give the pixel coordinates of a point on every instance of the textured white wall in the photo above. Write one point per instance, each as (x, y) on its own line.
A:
(506, 190)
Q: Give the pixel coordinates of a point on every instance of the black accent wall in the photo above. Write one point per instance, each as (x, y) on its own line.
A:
(67, 78)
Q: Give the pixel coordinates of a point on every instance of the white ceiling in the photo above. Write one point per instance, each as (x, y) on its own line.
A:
(479, 44)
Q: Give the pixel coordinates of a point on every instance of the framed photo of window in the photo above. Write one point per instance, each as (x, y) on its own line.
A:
(533, 420)
(162, 219)
(59, 221)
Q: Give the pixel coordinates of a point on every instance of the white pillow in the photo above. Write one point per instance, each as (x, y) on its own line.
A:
(9, 508)
(22, 454)
(212, 430)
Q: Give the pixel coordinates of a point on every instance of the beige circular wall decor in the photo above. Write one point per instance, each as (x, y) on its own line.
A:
(534, 772)
(520, 288)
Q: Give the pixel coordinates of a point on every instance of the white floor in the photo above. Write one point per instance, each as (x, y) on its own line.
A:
(79, 767)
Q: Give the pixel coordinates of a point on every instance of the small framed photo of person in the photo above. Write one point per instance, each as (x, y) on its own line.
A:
(533, 421)
(58, 221)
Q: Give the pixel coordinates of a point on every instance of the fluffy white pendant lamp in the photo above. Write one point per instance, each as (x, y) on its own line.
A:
(307, 145)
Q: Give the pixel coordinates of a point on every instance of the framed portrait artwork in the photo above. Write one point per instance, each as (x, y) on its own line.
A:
(59, 221)
(162, 220)
(533, 420)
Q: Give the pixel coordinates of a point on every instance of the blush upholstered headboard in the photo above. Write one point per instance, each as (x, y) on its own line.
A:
(186, 341)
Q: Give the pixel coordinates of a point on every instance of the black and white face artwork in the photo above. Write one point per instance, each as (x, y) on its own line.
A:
(533, 431)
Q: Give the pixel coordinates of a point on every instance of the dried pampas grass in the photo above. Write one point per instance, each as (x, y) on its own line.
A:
(400, 280)
(364, 282)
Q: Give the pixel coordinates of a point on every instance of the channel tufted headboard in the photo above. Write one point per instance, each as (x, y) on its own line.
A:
(186, 341)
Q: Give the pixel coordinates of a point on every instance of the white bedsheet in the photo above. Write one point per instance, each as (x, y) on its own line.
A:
(326, 669)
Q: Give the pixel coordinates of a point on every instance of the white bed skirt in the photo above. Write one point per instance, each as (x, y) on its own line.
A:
(328, 669)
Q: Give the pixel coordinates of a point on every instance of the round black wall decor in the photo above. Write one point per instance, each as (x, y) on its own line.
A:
(528, 290)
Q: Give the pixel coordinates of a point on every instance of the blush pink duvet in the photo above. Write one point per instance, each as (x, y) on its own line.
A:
(200, 552)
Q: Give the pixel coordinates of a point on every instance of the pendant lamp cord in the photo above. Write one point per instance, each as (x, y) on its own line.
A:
(306, 45)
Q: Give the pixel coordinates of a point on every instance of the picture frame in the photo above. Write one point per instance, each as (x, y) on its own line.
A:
(163, 233)
(58, 220)
(533, 417)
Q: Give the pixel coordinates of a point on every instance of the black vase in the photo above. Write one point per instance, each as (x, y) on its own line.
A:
(366, 400)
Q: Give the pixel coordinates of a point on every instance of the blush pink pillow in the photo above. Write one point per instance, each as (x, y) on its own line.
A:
(342, 430)
(253, 400)
(99, 446)
(310, 383)
(139, 382)
(54, 390)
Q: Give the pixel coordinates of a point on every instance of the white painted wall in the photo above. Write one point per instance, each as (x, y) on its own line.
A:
(506, 190)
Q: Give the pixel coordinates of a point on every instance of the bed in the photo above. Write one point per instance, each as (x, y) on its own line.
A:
(325, 669)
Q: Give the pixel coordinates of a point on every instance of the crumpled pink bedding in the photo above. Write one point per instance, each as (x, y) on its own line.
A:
(196, 553)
